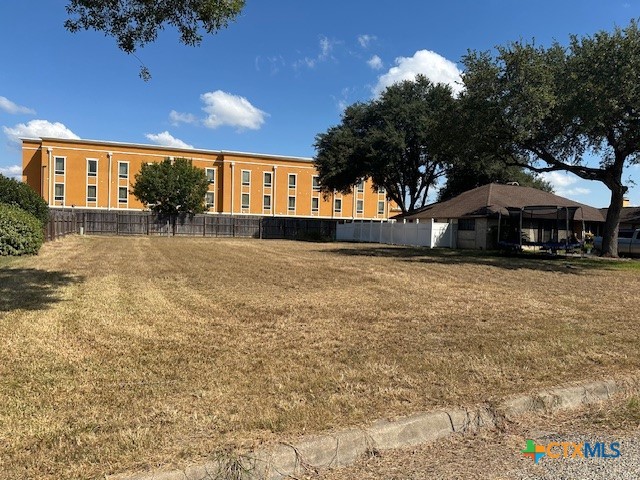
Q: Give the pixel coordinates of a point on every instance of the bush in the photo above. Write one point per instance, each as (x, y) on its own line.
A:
(22, 195)
(20, 232)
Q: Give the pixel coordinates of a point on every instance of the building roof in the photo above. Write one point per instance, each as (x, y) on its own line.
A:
(106, 143)
(627, 215)
(494, 198)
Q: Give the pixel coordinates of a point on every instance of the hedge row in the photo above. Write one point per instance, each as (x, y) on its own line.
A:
(20, 232)
(22, 195)
(23, 215)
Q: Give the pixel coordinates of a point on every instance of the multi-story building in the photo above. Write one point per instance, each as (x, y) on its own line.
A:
(99, 175)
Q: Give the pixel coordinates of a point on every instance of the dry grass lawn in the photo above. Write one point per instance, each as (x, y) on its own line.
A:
(125, 354)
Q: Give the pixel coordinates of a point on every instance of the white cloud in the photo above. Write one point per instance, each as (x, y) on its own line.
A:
(326, 47)
(559, 179)
(12, 171)
(375, 62)
(167, 140)
(365, 40)
(37, 129)
(343, 101)
(274, 63)
(223, 108)
(178, 118)
(13, 108)
(565, 184)
(433, 66)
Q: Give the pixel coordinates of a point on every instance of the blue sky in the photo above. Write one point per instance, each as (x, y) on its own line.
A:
(269, 83)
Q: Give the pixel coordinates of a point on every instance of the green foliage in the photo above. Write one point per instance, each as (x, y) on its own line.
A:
(401, 140)
(135, 23)
(172, 187)
(20, 232)
(22, 195)
(465, 175)
(547, 108)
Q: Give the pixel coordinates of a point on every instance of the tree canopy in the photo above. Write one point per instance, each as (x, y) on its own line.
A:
(549, 109)
(465, 175)
(135, 23)
(172, 187)
(400, 140)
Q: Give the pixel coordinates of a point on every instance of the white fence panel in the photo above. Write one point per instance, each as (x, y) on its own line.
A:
(386, 233)
(427, 234)
(344, 232)
(442, 235)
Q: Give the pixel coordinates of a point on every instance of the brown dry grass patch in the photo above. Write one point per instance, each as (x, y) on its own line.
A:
(122, 354)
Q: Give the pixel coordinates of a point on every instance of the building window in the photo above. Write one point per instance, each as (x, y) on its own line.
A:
(209, 200)
(315, 182)
(292, 180)
(59, 165)
(468, 224)
(123, 194)
(381, 190)
(380, 208)
(123, 170)
(315, 204)
(337, 205)
(245, 201)
(211, 175)
(92, 168)
(92, 193)
(246, 178)
(267, 179)
(361, 186)
(359, 206)
(58, 194)
(292, 204)
(266, 202)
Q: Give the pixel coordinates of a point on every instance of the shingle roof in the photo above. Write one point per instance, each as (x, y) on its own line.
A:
(628, 214)
(492, 198)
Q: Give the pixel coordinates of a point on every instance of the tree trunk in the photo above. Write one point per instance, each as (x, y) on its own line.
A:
(610, 235)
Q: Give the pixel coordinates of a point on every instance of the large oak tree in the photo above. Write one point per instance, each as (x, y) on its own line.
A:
(552, 108)
(400, 140)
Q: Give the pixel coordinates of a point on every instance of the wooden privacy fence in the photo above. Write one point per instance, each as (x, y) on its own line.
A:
(60, 223)
(93, 222)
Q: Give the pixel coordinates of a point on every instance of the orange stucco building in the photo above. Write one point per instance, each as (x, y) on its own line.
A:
(100, 174)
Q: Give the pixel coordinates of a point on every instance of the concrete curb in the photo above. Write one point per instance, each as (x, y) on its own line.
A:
(346, 446)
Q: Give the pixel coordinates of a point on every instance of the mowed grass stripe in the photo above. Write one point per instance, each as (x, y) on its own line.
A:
(154, 351)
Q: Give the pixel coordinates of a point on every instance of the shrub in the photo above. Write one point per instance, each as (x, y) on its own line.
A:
(22, 195)
(20, 232)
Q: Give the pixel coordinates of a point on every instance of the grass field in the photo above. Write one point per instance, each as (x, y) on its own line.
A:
(124, 354)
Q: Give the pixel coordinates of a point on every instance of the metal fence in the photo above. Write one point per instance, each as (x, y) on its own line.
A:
(96, 222)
